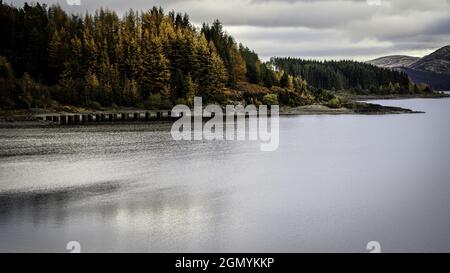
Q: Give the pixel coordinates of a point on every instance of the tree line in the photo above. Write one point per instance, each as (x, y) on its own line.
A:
(349, 75)
(148, 59)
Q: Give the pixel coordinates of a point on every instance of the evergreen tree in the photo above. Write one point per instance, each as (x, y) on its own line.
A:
(154, 74)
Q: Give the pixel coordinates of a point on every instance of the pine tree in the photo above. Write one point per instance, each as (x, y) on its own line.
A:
(56, 52)
(213, 74)
(155, 72)
(284, 81)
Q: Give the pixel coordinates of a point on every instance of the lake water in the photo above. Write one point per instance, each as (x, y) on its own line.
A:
(334, 184)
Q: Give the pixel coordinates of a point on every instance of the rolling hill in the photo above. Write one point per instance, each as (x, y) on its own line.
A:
(437, 62)
(396, 61)
(433, 69)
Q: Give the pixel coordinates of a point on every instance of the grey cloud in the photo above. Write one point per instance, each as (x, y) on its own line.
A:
(312, 28)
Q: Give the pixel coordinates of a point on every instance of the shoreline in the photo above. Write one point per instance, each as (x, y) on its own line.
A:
(351, 108)
(29, 118)
(354, 105)
(442, 95)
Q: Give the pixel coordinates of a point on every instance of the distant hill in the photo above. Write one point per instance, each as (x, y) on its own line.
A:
(433, 69)
(437, 62)
(396, 61)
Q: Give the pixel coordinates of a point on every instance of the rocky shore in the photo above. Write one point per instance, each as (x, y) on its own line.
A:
(350, 108)
(28, 118)
(434, 95)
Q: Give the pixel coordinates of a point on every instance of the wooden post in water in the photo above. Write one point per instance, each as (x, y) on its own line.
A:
(147, 116)
(137, 116)
(63, 119)
(70, 119)
(77, 119)
(158, 115)
(124, 116)
(97, 118)
(90, 118)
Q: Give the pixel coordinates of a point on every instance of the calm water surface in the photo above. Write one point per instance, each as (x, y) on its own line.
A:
(335, 183)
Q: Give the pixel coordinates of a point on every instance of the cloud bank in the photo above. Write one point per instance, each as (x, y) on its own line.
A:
(320, 29)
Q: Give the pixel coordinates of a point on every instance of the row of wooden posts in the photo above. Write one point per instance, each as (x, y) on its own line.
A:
(105, 117)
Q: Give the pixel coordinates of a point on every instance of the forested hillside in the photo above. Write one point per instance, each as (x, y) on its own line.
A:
(349, 75)
(149, 59)
(154, 59)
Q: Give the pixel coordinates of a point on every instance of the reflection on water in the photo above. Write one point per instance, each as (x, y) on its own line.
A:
(43, 205)
(336, 183)
(165, 212)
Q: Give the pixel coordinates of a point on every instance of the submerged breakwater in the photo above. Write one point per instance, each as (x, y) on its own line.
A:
(73, 119)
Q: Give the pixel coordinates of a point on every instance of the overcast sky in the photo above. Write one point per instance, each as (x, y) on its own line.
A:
(321, 29)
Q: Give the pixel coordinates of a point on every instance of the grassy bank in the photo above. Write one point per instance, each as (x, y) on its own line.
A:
(355, 97)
